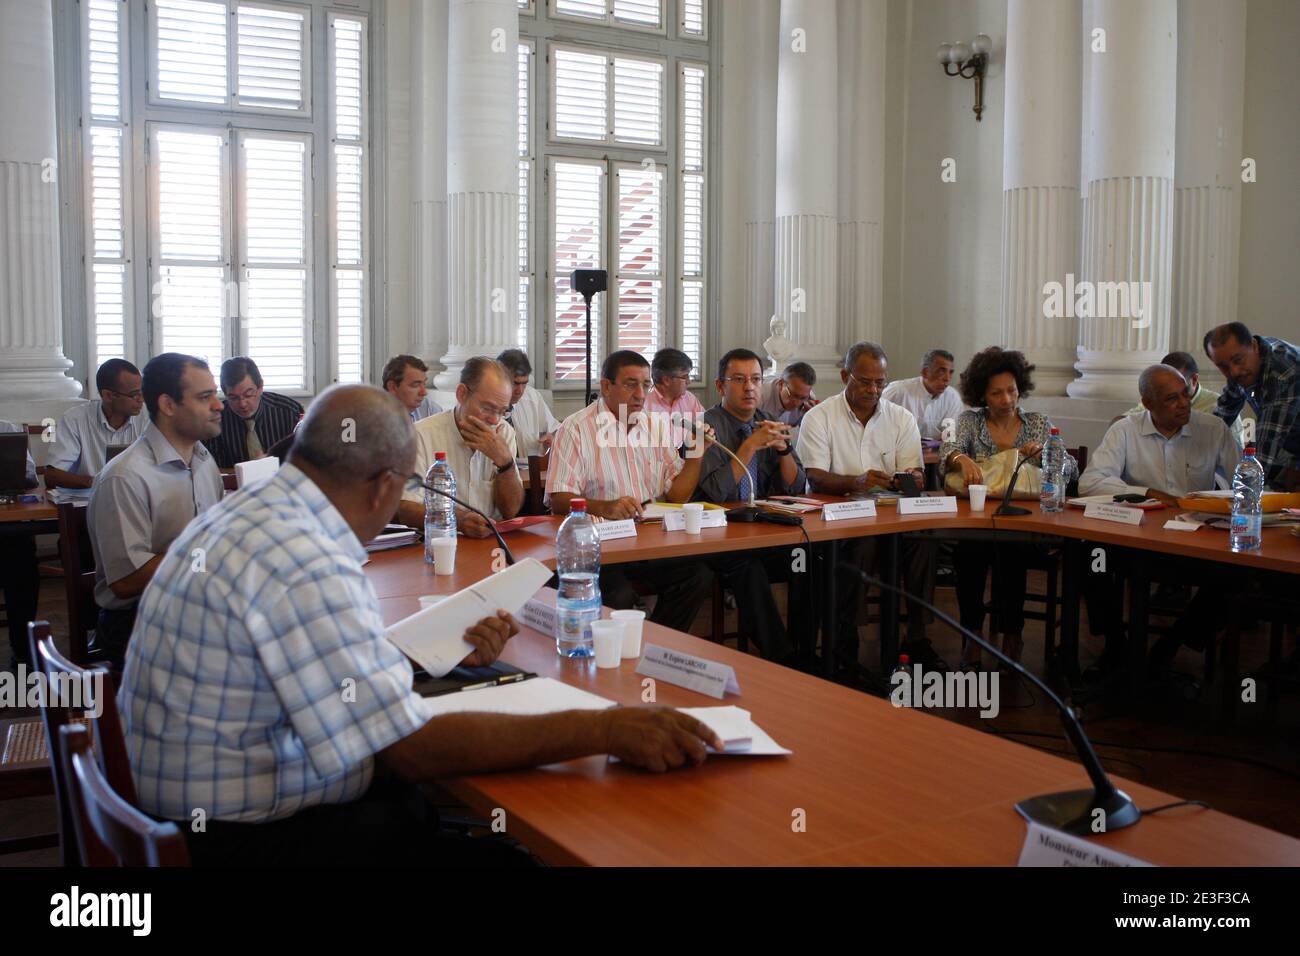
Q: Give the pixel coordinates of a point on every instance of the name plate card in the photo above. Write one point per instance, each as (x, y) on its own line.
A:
(1047, 847)
(538, 615)
(686, 670)
(1119, 513)
(710, 518)
(610, 530)
(945, 505)
(839, 510)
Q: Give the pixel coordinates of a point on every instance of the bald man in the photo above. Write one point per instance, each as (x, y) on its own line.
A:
(264, 692)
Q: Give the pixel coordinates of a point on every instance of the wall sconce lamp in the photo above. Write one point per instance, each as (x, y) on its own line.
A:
(970, 61)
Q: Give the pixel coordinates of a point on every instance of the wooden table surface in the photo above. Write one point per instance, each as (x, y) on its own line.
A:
(28, 511)
(875, 784)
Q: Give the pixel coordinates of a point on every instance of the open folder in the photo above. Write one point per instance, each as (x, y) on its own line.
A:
(434, 638)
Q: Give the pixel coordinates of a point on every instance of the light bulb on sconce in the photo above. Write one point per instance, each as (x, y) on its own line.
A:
(970, 61)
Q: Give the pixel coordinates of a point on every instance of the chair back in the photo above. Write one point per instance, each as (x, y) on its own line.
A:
(78, 560)
(109, 831)
(534, 501)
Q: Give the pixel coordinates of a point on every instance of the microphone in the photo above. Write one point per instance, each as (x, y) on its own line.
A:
(510, 558)
(749, 513)
(1072, 811)
(1007, 508)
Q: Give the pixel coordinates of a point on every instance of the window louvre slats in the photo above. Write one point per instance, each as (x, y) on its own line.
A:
(640, 257)
(642, 13)
(693, 17)
(580, 95)
(270, 57)
(104, 58)
(191, 51)
(190, 196)
(275, 177)
(594, 9)
(638, 101)
(350, 248)
(578, 227)
(348, 41)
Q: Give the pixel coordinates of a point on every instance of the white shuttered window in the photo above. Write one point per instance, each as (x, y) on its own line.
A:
(255, 196)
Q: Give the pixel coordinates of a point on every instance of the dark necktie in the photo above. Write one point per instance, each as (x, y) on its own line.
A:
(748, 485)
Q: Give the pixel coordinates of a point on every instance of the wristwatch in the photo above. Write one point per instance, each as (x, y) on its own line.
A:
(788, 448)
(502, 469)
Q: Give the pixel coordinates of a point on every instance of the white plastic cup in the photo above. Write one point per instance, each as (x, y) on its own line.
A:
(429, 600)
(694, 515)
(977, 495)
(608, 638)
(444, 555)
(632, 624)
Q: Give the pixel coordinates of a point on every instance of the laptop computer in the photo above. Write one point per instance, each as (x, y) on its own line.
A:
(13, 462)
(113, 451)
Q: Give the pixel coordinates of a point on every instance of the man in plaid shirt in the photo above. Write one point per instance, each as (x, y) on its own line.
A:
(265, 711)
(1265, 372)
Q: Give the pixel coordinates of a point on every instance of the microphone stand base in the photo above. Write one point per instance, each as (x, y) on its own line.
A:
(1074, 811)
(1005, 510)
(745, 514)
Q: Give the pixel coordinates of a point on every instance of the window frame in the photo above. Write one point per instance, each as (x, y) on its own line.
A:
(611, 54)
(610, 21)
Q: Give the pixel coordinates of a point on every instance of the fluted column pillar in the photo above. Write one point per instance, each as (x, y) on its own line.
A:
(862, 34)
(1040, 183)
(428, 179)
(482, 182)
(1207, 186)
(807, 145)
(33, 368)
(760, 21)
(1128, 218)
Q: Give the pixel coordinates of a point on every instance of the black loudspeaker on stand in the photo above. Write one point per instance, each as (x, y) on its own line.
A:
(587, 282)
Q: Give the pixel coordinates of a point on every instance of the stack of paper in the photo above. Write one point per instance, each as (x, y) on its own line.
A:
(398, 538)
(790, 505)
(739, 734)
(529, 698)
(248, 472)
(78, 496)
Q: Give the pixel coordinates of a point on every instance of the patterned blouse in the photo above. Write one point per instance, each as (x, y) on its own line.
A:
(972, 438)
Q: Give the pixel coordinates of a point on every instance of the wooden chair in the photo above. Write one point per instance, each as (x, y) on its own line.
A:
(536, 491)
(105, 729)
(24, 772)
(1050, 562)
(78, 560)
(109, 831)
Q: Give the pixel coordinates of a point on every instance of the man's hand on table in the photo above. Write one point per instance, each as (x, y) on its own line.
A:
(656, 738)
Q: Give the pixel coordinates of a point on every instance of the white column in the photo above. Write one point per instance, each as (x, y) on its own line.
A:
(33, 368)
(807, 145)
(760, 21)
(428, 179)
(1207, 185)
(482, 182)
(1040, 183)
(1128, 219)
(862, 56)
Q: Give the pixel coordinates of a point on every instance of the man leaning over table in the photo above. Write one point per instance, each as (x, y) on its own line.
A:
(771, 468)
(230, 699)
(607, 454)
(480, 448)
(1165, 453)
(1204, 399)
(855, 443)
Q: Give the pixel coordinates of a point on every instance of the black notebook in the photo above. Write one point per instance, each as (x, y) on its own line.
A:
(465, 678)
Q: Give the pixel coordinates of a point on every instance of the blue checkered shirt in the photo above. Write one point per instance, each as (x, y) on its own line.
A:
(258, 680)
(1275, 397)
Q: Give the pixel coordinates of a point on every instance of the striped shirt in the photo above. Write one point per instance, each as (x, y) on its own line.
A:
(262, 684)
(594, 457)
(276, 417)
(685, 409)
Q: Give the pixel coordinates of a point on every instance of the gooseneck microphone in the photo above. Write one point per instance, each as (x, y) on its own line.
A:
(1072, 811)
(510, 558)
(750, 512)
(1007, 508)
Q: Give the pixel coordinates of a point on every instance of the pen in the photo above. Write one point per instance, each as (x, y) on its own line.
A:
(504, 679)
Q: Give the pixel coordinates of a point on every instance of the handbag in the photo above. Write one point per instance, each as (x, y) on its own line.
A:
(997, 475)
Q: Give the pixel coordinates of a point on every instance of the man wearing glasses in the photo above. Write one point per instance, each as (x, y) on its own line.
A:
(854, 444)
(83, 436)
(788, 398)
(480, 447)
(252, 420)
(671, 400)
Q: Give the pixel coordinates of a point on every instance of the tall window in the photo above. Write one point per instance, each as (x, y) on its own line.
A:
(251, 219)
(619, 136)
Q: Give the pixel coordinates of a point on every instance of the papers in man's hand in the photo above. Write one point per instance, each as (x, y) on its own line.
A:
(434, 637)
(538, 695)
(739, 734)
(247, 472)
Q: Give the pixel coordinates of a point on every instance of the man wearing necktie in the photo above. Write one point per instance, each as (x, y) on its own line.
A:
(252, 419)
(771, 468)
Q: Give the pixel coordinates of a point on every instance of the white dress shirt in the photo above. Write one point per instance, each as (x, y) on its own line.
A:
(930, 411)
(475, 473)
(82, 437)
(530, 417)
(832, 439)
(1134, 456)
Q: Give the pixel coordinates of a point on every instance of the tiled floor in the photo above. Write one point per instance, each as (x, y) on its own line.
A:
(1166, 741)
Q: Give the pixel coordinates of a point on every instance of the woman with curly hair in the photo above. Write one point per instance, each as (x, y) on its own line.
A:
(992, 385)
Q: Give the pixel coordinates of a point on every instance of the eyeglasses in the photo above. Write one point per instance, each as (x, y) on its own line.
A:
(243, 396)
(791, 393)
(879, 383)
(755, 380)
(680, 376)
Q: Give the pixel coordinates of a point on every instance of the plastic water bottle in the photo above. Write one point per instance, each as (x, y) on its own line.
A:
(439, 512)
(1244, 533)
(577, 561)
(1052, 496)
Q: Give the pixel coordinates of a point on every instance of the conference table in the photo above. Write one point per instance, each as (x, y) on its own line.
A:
(867, 784)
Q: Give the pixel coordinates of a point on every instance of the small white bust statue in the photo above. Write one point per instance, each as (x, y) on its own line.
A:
(779, 349)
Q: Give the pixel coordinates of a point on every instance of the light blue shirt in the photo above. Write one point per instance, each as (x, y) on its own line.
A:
(1134, 456)
(428, 408)
(259, 682)
(83, 434)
